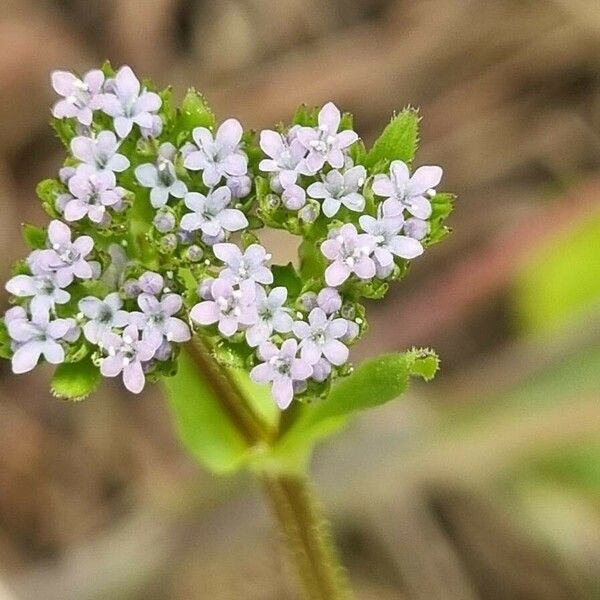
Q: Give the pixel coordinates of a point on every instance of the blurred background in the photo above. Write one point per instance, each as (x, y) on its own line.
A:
(482, 485)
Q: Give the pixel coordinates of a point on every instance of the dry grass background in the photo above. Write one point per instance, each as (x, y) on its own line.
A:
(98, 501)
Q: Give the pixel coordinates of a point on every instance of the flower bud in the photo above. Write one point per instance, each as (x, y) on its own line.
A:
(293, 197)
(273, 201)
(321, 370)
(348, 311)
(351, 333)
(194, 253)
(329, 300)
(131, 288)
(151, 283)
(308, 213)
(308, 301)
(416, 228)
(168, 243)
(204, 289)
(164, 221)
(240, 186)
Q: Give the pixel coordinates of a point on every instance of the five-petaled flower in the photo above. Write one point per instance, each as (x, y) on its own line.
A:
(324, 143)
(251, 265)
(404, 191)
(219, 156)
(81, 97)
(103, 314)
(100, 152)
(92, 192)
(211, 213)
(271, 315)
(65, 258)
(230, 308)
(385, 230)
(35, 337)
(129, 104)
(285, 154)
(339, 189)
(161, 177)
(156, 321)
(350, 252)
(321, 337)
(125, 354)
(282, 368)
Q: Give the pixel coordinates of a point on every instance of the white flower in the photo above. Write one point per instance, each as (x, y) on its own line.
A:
(80, 97)
(126, 353)
(43, 289)
(340, 189)
(251, 265)
(156, 321)
(406, 192)
(321, 337)
(271, 316)
(100, 152)
(92, 193)
(219, 156)
(36, 337)
(128, 104)
(350, 252)
(211, 214)
(66, 259)
(282, 368)
(285, 155)
(103, 315)
(230, 308)
(385, 231)
(161, 178)
(324, 143)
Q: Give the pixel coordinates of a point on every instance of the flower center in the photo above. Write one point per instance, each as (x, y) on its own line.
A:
(281, 364)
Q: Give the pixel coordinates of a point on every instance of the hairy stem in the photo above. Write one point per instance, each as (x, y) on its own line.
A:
(306, 532)
(307, 535)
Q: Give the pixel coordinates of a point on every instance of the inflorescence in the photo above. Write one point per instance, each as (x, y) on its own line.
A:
(154, 239)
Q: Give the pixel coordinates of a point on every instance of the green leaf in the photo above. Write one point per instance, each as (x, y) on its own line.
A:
(195, 111)
(206, 431)
(286, 276)
(305, 116)
(398, 141)
(372, 384)
(312, 261)
(75, 381)
(5, 350)
(35, 237)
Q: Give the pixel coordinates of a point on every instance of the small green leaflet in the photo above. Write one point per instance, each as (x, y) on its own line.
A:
(35, 237)
(398, 141)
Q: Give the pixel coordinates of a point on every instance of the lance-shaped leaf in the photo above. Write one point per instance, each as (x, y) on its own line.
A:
(372, 384)
(195, 111)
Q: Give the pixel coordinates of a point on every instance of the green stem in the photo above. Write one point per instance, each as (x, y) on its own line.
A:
(308, 538)
(305, 530)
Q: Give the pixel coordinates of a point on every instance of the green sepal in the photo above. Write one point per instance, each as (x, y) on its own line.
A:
(306, 116)
(398, 141)
(35, 237)
(76, 380)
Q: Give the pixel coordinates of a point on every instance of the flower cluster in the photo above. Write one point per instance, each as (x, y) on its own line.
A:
(154, 239)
